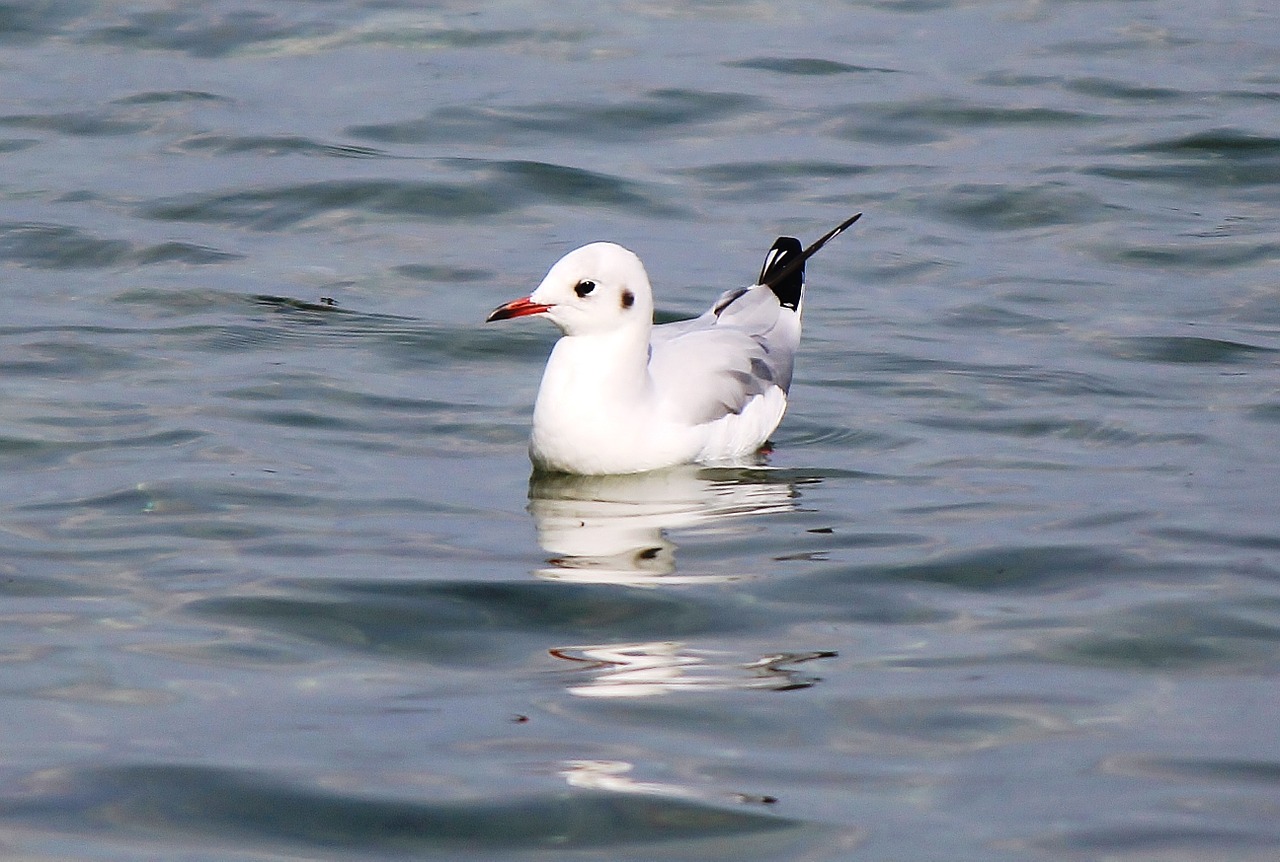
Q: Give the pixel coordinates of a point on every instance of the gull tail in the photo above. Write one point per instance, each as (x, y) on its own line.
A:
(783, 270)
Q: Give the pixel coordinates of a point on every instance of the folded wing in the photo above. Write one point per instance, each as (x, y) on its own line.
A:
(742, 348)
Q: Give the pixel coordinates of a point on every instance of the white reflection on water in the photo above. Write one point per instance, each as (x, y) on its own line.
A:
(611, 776)
(611, 529)
(662, 667)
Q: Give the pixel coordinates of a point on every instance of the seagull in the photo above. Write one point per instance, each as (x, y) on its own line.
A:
(621, 395)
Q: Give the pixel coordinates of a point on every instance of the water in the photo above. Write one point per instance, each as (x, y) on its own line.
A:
(276, 583)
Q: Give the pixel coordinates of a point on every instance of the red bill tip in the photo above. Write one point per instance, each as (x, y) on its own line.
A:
(516, 308)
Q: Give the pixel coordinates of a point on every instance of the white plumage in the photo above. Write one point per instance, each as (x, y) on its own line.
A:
(620, 395)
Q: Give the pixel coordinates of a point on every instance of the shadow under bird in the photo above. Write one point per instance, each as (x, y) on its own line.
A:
(621, 395)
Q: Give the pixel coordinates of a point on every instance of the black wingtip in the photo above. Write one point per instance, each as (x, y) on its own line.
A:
(789, 288)
(783, 271)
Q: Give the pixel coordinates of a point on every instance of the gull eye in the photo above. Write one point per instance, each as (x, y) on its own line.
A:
(584, 287)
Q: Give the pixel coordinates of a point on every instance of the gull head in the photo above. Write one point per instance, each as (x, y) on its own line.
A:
(597, 289)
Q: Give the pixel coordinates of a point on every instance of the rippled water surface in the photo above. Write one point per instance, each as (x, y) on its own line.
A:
(275, 582)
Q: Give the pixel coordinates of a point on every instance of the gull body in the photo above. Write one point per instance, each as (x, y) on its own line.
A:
(621, 395)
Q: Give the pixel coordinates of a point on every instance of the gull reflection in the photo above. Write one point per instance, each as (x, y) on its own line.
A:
(611, 529)
(611, 777)
(661, 667)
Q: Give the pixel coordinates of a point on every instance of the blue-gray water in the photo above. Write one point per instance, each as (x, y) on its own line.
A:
(274, 583)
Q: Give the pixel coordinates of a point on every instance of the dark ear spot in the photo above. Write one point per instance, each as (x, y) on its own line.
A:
(628, 299)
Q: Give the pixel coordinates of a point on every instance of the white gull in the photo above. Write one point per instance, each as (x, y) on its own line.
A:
(620, 395)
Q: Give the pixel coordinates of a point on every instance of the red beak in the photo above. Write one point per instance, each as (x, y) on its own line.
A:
(516, 308)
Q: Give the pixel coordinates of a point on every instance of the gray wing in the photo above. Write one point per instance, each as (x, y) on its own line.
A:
(744, 346)
(714, 365)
